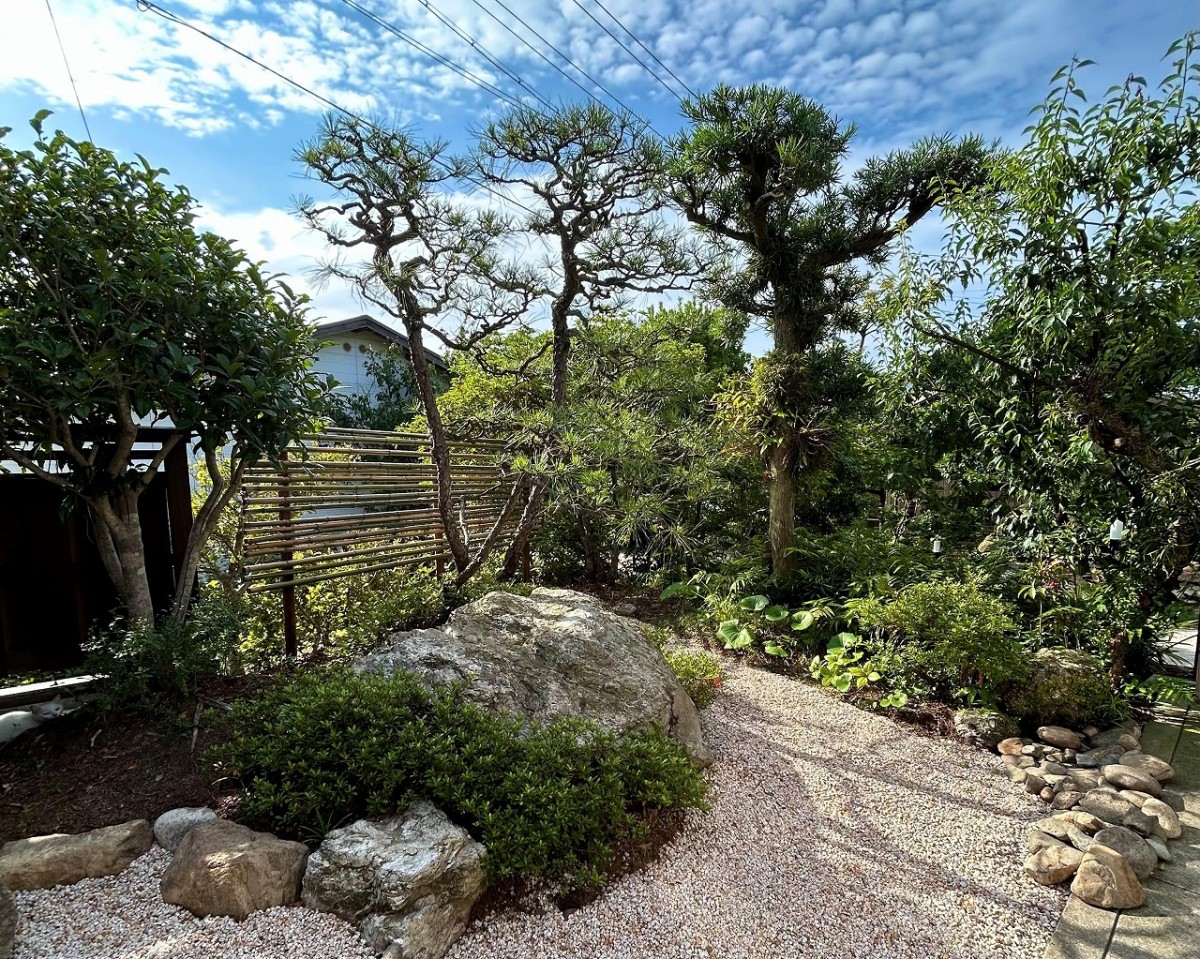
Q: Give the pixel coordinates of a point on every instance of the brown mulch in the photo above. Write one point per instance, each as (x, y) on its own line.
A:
(88, 770)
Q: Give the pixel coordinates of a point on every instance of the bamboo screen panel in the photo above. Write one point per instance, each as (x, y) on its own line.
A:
(356, 501)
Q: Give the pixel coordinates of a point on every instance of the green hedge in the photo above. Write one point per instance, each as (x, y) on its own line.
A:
(547, 801)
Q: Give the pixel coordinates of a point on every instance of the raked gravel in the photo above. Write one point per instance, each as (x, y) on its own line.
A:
(833, 834)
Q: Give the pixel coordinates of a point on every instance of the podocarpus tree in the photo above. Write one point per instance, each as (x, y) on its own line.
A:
(589, 175)
(759, 171)
(116, 312)
(433, 264)
(1085, 391)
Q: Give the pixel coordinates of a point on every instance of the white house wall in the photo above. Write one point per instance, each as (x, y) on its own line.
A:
(349, 366)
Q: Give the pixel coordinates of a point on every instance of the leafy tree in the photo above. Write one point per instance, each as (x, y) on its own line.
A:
(431, 264)
(591, 174)
(114, 312)
(642, 470)
(760, 172)
(1086, 349)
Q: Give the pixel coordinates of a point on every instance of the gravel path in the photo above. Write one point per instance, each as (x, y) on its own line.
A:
(123, 917)
(833, 834)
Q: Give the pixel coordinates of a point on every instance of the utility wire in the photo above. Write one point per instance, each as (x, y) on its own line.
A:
(67, 64)
(612, 16)
(588, 93)
(478, 48)
(431, 53)
(619, 42)
(147, 5)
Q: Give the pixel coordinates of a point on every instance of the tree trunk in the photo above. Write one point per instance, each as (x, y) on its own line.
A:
(781, 488)
(119, 537)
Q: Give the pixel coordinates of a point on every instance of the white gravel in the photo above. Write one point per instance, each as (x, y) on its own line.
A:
(833, 833)
(123, 917)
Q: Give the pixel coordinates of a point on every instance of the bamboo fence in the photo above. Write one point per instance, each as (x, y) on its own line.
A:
(343, 502)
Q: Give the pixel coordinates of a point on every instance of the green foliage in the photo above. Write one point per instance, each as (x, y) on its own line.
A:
(1077, 377)
(945, 639)
(1064, 686)
(115, 309)
(639, 471)
(154, 670)
(547, 801)
(698, 672)
(393, 400)
(844, 666)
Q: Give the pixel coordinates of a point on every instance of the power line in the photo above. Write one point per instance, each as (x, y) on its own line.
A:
(431, 53)
(588, 93)
(617, 40)
(478, 48)
(67, 64)
(612, 16)
(147, 5)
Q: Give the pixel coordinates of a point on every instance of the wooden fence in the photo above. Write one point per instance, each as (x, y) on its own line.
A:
(345, 502)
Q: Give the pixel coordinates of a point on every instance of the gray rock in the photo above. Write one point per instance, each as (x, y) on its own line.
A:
(985, 728)
(1132, 847)
(1160, 848)
(1165, 821)
(1085, 779)
(1108, 739)
(1053, 864)
(1058, 824)
(409, 881)
(8, 921)
(1067, 799)
(1106, 880)
(1016, 774)
(44, 861)
(1047, 794)
(224, 869)
(1034, 783)
(1059, 736)
(169, 828)
(1127, 777)
(1033, 750)
(1173, 799)
(553, 654)
(1151, 765)
(1039, 840)
(1094, 758)
(1080, 839)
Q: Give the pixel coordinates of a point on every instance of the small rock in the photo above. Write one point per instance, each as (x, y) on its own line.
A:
(1129, 742)
(1053, 864)
(59, 859)
(1135, 797)
(1066, 799)
(1047, 794)
(1080, 839)
(1173, 799)
(1039, 840)
(1010, 760)
(1069, 755)
(1034, 783)
(1034, 750)
(1052, 768)
(1090, 731)
(1165, 821)
(1108, 806)
(1085, 779)
(1107, 739)
(224, 869)
(1129, 778)
(1053, 755)
(1132, 847)
(1026, 762)
(1059, 736)
(170, 827)
(1106, 880)
(1016, 774)
(1058, 824)
(1159, 847)
(1011, 746)
(985, 728)
(1094, 758)
(1151, 765)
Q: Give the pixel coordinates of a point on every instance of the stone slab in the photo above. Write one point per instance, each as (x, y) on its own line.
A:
(1083, 932)
(1167, 927)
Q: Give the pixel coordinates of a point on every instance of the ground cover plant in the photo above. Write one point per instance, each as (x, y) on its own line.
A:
(547, 801)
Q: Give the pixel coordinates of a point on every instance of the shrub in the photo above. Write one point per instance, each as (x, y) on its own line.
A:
(547, 801)
(1065, 686)
(944, 639)
(699, 673)
(153, 669)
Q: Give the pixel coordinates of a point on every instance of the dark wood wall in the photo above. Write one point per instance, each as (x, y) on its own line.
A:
(53, 585)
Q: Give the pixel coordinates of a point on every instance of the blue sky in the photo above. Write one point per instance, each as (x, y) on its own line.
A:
(899, 69)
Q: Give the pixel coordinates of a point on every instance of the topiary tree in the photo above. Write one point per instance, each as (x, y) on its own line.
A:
(760, 172)
(116, 313)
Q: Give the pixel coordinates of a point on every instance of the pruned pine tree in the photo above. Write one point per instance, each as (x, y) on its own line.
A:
(434, 263)
(760, 171)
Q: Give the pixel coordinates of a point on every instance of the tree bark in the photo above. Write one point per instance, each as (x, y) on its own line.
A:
(119, 537)
(781, 528)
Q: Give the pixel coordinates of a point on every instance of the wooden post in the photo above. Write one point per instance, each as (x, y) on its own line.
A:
(179, 503)
(527, 563)
(289, 591)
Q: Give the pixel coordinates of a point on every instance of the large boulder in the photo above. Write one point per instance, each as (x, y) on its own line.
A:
(59, 859)
(224, 869)
(409, 881)
(1106, 880)
(1065, 687)
(985, 728)
(552, 654)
